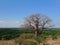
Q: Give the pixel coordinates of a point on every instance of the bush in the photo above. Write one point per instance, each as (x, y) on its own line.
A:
(19, 41)
(29, 43)
(41, 38)
(25, 42)
(33, 43)
(54, 37)
(27, 36)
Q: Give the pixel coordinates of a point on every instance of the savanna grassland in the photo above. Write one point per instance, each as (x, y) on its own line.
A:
(17, 36)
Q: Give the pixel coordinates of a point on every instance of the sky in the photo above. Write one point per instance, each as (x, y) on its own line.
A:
(12, 12)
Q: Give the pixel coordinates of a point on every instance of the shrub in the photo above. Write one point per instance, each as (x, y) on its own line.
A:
(27, 36)
(33, 43)
(25, 42)
(54, 37)
(41, 38)
(28, 43)
(19, 41)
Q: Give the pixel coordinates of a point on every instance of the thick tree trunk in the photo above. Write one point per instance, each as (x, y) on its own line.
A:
(37, 33)
(40, 32)
(37, 30)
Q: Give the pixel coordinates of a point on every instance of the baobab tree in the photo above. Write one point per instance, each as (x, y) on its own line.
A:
(37, 22)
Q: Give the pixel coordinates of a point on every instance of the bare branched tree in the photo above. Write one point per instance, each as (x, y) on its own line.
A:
(37, 22)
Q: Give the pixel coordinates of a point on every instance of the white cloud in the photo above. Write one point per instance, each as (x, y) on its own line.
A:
(9, 24)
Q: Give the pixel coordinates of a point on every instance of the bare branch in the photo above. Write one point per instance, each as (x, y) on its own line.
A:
(37, 22)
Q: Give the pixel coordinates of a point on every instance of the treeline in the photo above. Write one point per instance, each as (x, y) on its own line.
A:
(9, 33)
(12, 33)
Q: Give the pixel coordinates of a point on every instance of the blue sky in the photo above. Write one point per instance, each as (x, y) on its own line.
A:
(12, 12)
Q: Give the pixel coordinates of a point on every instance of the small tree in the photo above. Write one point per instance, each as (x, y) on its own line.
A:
(37, 22)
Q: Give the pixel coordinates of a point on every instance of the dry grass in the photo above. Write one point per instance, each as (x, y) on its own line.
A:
(8, 42)
(48, 41)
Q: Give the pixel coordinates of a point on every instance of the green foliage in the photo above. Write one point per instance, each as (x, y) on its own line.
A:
(54, 33)
(12, 33)
(7, 33)
(40, 39)
(32, 43)
(54, 37)
(29, 43)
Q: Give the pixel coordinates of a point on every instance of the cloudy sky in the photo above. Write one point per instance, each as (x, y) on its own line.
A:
(12, 12)
(9, 24)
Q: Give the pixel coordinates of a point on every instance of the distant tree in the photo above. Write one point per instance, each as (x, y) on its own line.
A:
(37, 22)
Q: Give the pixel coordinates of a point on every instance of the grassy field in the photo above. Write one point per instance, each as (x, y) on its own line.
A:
(26, 37)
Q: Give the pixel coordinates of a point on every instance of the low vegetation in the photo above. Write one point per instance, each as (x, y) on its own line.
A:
(27, 37)
(7, 33)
